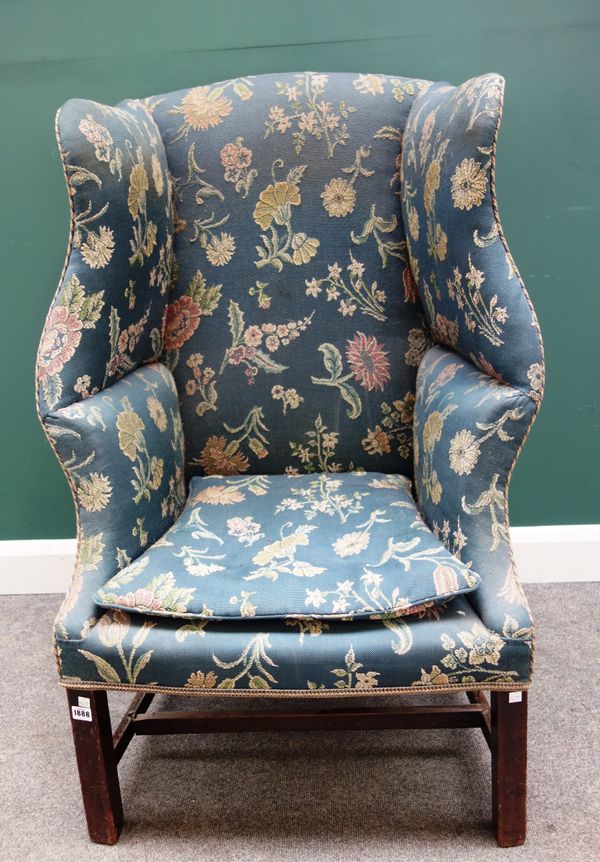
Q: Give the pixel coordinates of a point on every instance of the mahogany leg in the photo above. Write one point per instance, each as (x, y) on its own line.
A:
(97, 764)
(509, 767)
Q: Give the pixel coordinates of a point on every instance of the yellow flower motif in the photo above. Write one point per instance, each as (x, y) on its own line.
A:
(221, 249)
(90, 552)
(138, 186)
(305, 248)
(464, 452)
(435, 489)
(432, 430)
(469, 184)
(157, 174)
(94, 492)
(338, 197)
(199, 679)
(274, 204)
(156, 472)
(440, 243)
(432, 184)
(98, 248)
(204, 108)
(368, 85)
(413, 222)
(435, 677)
(130, 428)
(157, 412)
(150, 238)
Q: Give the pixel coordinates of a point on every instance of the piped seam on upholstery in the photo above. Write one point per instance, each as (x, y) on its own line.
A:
(389, 691)
(537, 402)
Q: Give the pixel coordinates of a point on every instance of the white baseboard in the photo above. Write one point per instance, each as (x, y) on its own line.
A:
(543, 555)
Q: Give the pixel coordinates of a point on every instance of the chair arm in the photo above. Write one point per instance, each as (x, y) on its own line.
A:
(122, 453)
(468, 431)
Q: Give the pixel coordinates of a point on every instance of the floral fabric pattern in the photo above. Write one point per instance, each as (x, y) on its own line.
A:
(471, 290)
(314, 547)
(123, 449)
(467, 428)
(287, 207)
(107, 317)
(281, 292)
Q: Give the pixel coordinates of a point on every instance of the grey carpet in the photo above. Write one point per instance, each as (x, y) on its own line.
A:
(381, 796)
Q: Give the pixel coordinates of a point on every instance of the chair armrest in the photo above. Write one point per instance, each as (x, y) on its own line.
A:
(122, 453)
(468, 431)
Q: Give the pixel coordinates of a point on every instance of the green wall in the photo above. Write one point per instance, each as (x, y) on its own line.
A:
(547, 176)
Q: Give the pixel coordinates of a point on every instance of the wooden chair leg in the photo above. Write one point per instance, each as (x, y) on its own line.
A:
(97, 764)
(509, 767)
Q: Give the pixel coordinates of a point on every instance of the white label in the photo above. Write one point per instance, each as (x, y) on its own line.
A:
(515, 696)
(82, 713)
(84, 701)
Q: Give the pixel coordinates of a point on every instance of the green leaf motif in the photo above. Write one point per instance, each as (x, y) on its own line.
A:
(352, 398)
(141, 664)
(257, 682)
(264, 361)
(106, 670)
(52, 390)
(332, 359)
(91, 309)
(207, 297)
(236, 321)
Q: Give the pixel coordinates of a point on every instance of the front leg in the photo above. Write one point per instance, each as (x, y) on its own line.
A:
(509, 767)
(97, 764)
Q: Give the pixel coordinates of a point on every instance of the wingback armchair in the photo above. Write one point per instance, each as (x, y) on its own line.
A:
(287, 372)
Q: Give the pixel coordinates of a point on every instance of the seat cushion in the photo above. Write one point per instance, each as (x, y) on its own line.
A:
(323, 546)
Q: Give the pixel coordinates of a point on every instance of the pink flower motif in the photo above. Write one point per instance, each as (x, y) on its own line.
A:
(446, 374)
(141, 599)
(236, 355)
(368, 361)
(229, 156)
(61, 338)
(445, 580)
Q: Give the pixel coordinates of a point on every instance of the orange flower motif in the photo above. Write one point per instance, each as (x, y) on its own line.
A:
(222, 459)
(183, 317)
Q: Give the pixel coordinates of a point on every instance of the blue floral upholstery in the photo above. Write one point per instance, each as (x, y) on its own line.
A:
(345, 545)
(123, 452)
(294, 311)
(298, 274)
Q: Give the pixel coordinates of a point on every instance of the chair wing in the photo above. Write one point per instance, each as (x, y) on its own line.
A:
(479, 389)
(110, 411)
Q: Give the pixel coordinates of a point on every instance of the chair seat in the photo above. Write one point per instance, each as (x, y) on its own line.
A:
(438, 648)
(327, 546)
